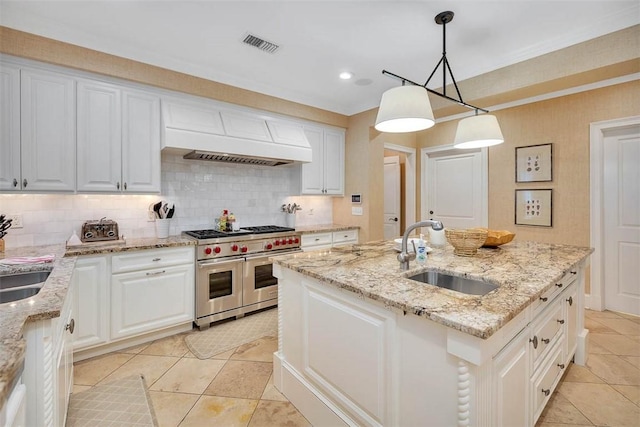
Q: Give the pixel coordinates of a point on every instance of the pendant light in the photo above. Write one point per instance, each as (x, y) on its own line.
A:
(407, 108)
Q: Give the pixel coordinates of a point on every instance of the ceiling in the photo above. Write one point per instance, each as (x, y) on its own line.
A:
(320, 39)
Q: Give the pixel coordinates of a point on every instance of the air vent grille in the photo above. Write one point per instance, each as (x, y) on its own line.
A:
(260, 43)
(227, 158)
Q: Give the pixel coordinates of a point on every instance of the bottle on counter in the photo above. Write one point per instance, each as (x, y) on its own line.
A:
(421, 256)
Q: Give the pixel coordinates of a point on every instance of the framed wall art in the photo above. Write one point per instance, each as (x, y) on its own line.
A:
(534, 207)
(534, 163)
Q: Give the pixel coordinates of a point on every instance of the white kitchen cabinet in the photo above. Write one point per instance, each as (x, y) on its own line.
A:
(511, 375)
(48, 131)
(118, 139)
(14, 414)
(324, 175)
(344, 237)
(48, 367)
(9, 127)
(319, 241)
(91, 290)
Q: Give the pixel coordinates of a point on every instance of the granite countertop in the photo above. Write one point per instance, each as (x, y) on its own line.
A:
(325, 228)
(523, 271)
(48, 302)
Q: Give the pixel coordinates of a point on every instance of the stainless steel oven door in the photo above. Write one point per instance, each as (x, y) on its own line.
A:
(218, 286)
(259, 285)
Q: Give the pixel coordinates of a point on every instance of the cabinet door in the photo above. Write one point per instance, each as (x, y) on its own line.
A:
(99, 137)
(313, 172)
(570, 302)
(64, 368)
(10, 128)
(333, 162)
(48, 131)
(152, 299)
(91, 307)
(511, 383)
(140, 142)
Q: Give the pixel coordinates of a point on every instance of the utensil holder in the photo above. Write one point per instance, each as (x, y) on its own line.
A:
(290, 219)
(162, 227)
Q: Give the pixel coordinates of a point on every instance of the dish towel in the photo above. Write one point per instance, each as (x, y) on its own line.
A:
(27, 260)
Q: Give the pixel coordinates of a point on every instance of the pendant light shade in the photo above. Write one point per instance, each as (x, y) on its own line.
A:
(478, 131)
(404, 109)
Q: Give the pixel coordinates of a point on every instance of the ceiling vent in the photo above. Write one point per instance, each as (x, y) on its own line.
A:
(260, 43)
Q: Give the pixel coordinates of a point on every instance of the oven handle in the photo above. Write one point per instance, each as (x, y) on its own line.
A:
(270, 254)
(220, 262)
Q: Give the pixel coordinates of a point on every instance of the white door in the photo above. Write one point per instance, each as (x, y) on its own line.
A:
(391, 197)
(456, 189)
(621, 197)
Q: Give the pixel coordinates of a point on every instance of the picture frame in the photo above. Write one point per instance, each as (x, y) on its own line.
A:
(534, 163)
(534, 207)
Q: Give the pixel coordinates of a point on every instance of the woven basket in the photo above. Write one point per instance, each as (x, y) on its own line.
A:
(466, 242)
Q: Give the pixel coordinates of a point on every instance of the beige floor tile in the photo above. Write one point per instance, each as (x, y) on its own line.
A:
(272, 393)
(601, 314)
(581, 374)
(80, 388)
(241, 379)
(595, 348)
(634, 360)
(271, 413)
(171, 408)
(621, 326)
(170, 346)
(542, 423)
(631, 392)
(220, 411)
(560, 410)
(151, 367)
(601, 404)
(134, 349)
(92, 371)
(613, 369)
(617, 344)
(220, 356)
(189, 376)
(260, 350)
(630, 317)
(596, 327)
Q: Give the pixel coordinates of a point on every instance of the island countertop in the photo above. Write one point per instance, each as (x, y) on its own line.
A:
(523, 271)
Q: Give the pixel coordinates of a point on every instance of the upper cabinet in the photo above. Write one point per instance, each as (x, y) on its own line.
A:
(325, 174)
(37, 130)
(118, 139)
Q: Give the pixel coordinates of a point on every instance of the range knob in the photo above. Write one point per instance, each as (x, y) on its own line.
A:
(207, 251)
(277, 243)
(283, 242)
(290, 240)
(268, 246)
(217, 249)
(296, 240)
(234, 247)
(244, 249)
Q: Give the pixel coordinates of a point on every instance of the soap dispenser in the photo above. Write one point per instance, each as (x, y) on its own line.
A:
(421, 256)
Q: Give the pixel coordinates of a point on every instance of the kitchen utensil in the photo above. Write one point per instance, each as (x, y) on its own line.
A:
(2, 218)
(171, 211)
(6, 225)
(156, 209)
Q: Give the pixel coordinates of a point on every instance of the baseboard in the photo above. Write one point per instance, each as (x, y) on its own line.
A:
(582, 348)
(593, 302)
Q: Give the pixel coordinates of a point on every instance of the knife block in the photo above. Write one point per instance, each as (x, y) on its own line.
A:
(1, 246)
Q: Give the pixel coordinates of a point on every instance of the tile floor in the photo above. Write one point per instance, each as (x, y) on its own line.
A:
(235, 388)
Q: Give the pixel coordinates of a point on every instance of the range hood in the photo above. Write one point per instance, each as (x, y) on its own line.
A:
(202, 132)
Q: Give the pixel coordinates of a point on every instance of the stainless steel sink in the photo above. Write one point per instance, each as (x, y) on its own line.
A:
(23, 279)
(454, 283)
(14, 287)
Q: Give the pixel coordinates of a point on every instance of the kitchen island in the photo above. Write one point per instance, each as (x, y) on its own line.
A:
(362, 344)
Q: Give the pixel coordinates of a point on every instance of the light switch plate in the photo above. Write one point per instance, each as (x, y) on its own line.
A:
(356, 210)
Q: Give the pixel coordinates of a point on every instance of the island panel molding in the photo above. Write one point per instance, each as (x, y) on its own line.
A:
(534, 163)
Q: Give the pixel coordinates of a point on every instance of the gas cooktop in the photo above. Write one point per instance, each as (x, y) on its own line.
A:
(260, 229)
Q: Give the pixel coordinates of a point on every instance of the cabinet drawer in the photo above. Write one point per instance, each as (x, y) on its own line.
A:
(547, 331)
(545, 300)
(142, 260)
(344, 237)
(316, 239)
(545, 382)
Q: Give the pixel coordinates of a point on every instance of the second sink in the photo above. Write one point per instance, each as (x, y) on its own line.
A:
(23, 279)
(454, 283)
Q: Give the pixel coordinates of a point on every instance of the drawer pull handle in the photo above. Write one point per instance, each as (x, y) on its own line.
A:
(534, 340)
(118, 185)
(561, 321)
(156, 259)
(545, 340)
(559, 285)
(561, 365)
(71, 326)
(574, 272)
(546, 391)
(543, 299)
(156, 273)
(570, 300)
(15, 182)
(317, 239)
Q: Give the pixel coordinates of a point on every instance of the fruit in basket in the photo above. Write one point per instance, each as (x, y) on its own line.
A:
(496, 238)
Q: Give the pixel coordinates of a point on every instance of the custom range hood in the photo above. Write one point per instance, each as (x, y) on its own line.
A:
(203, 131)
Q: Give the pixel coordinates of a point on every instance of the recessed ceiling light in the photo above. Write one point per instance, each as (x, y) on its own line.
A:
(346, 75)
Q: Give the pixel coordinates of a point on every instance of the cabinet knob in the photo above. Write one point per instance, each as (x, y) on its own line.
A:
(546, 391)
(71, 326)
(430, 212)
(118, 185)
(534, 340)
(545, 340)
(561, 365)
(15, 182)
(393, 219)
(559, 285)
(570, 300)
(561, 321)
(574, 272)
(24, 183)
(125, 185)
(543, 299)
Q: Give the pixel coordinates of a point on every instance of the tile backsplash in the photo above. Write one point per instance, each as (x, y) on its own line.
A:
(199, 189)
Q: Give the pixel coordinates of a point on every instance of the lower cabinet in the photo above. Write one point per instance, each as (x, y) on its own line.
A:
(130, 294)
(318, 241)
(511, 383)
(14, 413)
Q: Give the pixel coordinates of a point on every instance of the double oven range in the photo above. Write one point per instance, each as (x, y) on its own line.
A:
(233, 273)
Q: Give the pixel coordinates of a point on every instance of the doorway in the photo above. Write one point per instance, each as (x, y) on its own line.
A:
(615, 216)
(392, 197)
(407, 160)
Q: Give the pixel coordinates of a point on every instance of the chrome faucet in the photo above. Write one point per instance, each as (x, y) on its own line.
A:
(404, 257)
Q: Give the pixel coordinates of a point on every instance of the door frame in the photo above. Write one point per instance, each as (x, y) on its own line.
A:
(427, 152)
(409, 181)
(597, 130)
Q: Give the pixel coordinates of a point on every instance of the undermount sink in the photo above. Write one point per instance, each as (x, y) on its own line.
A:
(14, 287)
(454, 283)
